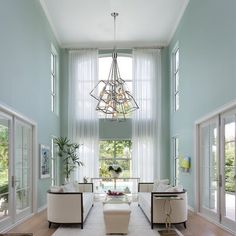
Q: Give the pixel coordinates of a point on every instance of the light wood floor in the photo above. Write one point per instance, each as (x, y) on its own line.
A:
(196, 226)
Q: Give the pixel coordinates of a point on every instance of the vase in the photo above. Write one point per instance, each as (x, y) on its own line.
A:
(114, 174)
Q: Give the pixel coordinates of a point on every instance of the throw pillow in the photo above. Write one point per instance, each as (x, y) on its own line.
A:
(56, 189)
(159, 182)
(175, 189)
(163, 187)
(69, 187)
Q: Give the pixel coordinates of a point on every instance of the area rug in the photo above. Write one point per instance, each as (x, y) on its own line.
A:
(17, 234)
(94, 224)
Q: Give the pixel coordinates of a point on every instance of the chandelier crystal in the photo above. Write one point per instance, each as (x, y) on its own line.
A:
(113, 96)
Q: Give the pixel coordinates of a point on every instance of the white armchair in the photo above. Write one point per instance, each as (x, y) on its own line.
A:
(70, 207)
(154, 207)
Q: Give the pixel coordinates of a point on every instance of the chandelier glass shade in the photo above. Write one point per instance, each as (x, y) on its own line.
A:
(113, 96)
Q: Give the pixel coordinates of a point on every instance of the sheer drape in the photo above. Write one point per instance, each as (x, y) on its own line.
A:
(82, 116)
(146, 120)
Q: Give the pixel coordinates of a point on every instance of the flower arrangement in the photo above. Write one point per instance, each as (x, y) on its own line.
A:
(115, 168)
(114, 193)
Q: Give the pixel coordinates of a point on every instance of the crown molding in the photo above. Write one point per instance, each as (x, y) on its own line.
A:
(45, 10)
(177, 21)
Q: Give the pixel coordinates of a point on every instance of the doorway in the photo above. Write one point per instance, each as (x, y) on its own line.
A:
(16, 169)
(217, 169)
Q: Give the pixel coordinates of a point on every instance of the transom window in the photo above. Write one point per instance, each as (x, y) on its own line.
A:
(115, 152)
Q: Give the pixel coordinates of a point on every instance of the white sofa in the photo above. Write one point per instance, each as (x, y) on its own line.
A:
(70, 207)
(155, 208)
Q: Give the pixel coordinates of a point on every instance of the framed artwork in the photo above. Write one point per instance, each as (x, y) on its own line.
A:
(44, 161)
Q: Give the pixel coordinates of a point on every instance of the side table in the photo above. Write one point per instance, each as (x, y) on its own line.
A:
(167, 207)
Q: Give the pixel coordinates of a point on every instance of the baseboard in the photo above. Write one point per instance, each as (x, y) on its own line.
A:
(42, 208)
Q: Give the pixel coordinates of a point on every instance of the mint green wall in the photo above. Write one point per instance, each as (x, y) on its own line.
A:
(64, 92)
(207, 41)
(25, 45)
(165, 117)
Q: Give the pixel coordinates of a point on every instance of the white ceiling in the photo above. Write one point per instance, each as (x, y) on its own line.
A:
(88, 23)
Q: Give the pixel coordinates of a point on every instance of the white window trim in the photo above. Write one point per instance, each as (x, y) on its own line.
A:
(175, 154)
(173, 77)
(56, 87)
(54, 158)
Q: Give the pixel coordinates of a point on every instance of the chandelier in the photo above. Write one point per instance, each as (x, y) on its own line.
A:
(112, 94)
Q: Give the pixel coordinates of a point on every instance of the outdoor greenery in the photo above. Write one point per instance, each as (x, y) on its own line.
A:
(230, 166)
(115, 153)
(4, 162)
(68, 151)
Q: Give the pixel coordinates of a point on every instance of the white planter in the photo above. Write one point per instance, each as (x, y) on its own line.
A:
(114, 174)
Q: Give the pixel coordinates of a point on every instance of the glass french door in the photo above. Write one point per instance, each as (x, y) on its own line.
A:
(6, 192)
(15, 169)
(209, 168)
(22, 180)
(228, 169)
(217, 168)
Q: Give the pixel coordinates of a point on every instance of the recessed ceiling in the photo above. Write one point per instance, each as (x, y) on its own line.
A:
(88, 23)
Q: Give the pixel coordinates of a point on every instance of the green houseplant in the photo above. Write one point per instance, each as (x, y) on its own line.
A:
(68, 151)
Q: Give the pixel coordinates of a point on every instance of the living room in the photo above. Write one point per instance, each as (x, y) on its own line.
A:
(184, 129)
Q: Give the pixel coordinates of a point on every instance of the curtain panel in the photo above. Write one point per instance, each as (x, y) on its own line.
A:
(83, 123)
(146, 120)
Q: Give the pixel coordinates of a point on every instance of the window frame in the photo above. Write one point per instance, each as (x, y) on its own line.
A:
(54, 162)
(54, 79)
(114, 158)
(175, 153)
(175, 72)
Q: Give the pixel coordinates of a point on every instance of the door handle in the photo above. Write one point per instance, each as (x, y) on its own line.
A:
(220, 180)
(13, 181)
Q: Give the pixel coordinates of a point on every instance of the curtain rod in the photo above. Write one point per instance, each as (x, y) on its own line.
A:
(154, 47)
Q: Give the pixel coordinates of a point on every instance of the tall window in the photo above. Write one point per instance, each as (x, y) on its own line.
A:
(53, 162)
(53, 78)
(175, 75)
(176, 159)
(116, 152)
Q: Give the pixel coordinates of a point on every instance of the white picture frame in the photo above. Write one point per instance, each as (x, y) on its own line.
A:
(44, 155)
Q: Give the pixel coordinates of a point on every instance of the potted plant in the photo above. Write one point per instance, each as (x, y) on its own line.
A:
(115, 170)
(68, 153)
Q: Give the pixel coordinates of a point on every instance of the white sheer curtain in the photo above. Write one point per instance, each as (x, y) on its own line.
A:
(82, 116)
(146, 120)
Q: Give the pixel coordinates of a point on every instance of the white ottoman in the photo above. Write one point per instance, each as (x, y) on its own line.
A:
(116, 217)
